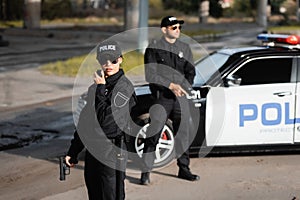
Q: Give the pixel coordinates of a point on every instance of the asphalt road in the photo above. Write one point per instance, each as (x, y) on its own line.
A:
(32, 172)
(30, 52)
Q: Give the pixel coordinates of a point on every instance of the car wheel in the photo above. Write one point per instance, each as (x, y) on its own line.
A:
(165, 148)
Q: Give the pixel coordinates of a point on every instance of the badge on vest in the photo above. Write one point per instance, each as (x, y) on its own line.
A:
(120, 100)
(180, 54)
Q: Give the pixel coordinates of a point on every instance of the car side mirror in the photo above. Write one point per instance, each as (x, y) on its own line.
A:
(233, 80)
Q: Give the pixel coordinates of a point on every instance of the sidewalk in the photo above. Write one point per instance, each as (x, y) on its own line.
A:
(29, 86)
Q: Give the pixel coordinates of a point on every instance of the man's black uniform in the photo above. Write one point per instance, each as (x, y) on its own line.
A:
(167, 63)
(98, 122)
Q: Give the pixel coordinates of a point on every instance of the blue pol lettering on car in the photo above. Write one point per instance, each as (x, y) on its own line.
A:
(253, 109)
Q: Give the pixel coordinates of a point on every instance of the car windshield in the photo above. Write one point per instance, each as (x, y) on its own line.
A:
(207, 66)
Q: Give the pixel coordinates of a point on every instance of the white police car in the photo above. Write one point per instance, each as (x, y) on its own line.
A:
(248, 99)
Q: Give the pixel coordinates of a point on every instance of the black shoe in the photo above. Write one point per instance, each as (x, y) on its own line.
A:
(145, 178)
(187, 175)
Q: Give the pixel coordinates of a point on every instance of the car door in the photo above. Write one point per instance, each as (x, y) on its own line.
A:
(256, 107)
(297, 113)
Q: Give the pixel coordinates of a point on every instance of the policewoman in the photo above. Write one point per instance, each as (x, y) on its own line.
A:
(102, 125)
(170, 71)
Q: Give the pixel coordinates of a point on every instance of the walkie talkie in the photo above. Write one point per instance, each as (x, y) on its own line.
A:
(99, 72)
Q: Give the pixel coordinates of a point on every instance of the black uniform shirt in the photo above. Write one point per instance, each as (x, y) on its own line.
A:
(166, 63)
(107, 105)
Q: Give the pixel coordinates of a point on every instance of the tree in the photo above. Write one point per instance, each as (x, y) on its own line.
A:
(261, 16)
(131, 15)
(11, 9)
(32, 13)
(52, 9)
(215, 9)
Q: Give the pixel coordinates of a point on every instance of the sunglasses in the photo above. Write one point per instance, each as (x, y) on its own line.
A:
(104, 62)
(174, 27)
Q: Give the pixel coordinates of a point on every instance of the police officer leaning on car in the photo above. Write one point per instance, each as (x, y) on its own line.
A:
(170, 71)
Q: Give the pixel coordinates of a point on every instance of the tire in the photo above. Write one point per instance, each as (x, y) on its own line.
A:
(165, 148)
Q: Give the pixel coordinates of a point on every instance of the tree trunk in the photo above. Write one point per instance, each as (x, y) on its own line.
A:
(262, 13)
(203, 11)
(32, 14)
(131, 18)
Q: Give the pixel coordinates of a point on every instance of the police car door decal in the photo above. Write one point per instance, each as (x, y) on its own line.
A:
(254, 114)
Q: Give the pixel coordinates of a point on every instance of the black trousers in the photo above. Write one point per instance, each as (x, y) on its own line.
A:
(177, 109)
(103, 182)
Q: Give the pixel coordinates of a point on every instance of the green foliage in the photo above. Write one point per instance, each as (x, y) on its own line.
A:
(11, 9)
(86, 64)
(132, 59)
(294, 29)
(182, 5)
(201, 31)
(156, 4)
(242, 5)
(244, 8)
(9, 24)
(275, 5)
(215, 9)
(192, 6)
(52, 9)
(68, 67)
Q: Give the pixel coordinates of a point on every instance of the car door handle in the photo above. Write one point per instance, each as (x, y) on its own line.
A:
(282, 94)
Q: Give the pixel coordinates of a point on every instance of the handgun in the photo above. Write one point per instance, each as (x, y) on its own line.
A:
(64, 169)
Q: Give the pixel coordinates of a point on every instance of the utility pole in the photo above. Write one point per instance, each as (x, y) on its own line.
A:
(32, 14)
(298, 10)
(131, 18)
(136, 16)
(203, 11)
(143, 25)
(262, 13)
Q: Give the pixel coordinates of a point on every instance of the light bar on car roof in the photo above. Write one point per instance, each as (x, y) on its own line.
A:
(280, 38)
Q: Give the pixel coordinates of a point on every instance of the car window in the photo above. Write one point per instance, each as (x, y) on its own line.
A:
(266, 71)
(206, 67)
